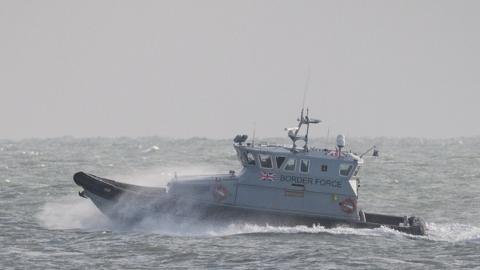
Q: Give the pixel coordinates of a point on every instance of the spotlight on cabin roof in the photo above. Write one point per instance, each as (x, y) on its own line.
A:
(240, 139)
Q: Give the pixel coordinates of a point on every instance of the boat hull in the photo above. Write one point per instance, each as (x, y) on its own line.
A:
(131, 203)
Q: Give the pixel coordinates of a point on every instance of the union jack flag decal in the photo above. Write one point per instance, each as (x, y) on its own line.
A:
(267, 176)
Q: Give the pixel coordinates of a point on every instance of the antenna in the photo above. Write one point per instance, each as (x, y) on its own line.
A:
(302, 119)
(375, 151)
(253, 136)
(307, 84)
(328, 135)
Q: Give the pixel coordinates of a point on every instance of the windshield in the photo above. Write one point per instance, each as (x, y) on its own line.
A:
(265, 161)
(345, 169)
(248, 158)
(356, 171)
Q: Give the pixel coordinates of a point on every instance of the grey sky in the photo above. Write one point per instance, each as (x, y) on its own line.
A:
(212, 68)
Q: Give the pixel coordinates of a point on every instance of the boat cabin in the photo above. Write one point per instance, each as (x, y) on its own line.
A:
(322, 162)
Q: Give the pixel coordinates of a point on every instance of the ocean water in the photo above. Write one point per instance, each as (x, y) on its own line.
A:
(44, 224)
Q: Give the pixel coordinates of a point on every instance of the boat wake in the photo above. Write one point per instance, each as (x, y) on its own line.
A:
(69, 213)
(453, 232)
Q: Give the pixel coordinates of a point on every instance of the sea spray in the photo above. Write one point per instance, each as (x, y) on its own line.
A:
(72, 212)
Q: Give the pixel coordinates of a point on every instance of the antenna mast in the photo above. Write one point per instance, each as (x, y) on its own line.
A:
(304, 119)
(305, 147)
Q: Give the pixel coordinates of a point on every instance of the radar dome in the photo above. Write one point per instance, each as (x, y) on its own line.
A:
(340, 141)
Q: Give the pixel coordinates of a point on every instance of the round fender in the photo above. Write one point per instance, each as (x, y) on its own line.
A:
(348, 205)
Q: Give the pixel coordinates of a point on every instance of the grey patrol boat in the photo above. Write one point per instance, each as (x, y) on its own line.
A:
(278, 185)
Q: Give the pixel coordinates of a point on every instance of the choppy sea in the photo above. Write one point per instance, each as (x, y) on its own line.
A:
(44, 224)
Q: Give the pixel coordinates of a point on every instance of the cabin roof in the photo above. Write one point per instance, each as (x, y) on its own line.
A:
(300, 152)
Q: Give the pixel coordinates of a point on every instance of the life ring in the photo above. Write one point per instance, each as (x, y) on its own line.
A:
(348, 205)
(220, 192)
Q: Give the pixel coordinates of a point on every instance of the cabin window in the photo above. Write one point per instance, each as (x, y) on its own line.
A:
(356, 171)
(304, 165)
(249, 158)
(265, 161)
(324, 168)
(345, 169)
(290, 165)
(280, 161)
